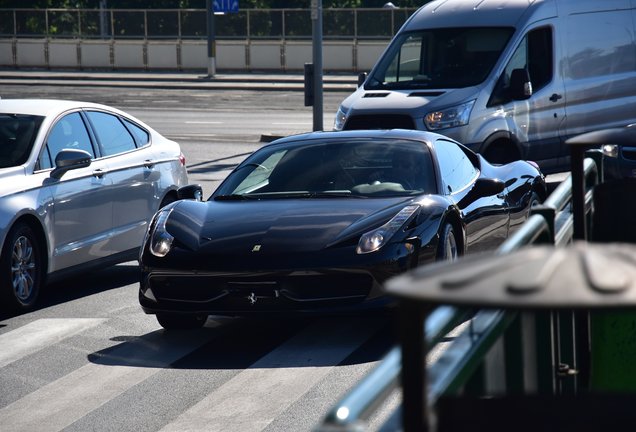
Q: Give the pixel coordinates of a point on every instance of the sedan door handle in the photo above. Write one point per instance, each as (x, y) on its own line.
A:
(99, 173)
(149, 164)
(555, 97)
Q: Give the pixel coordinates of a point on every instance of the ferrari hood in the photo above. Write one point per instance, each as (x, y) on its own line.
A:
(276, 226)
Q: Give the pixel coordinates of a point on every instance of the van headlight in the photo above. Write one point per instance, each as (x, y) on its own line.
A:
(373, 240)
(160, 238)
(449, 117)
(341, 118)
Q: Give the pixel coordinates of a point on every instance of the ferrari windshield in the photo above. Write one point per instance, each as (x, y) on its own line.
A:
(440, 58)
(17, 134)
(333, 169)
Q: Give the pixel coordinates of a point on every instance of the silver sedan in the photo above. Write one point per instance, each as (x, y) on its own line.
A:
(79, 183)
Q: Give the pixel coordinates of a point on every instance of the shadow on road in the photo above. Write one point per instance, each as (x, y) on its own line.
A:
(84, 285)
(238, 343)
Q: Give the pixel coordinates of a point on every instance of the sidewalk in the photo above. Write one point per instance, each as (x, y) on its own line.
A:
(171, 80)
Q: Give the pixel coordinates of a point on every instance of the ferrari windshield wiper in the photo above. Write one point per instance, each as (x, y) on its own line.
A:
(234, 197)
(288, 195)
(334, 194)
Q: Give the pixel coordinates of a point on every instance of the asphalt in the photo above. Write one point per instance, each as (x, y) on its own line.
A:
(259, 81)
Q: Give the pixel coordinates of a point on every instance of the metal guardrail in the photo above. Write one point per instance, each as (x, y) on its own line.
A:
(552, 223)
(157, 24)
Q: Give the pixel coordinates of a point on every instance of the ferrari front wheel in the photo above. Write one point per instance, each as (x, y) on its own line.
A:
(447, 249)
(181, 322)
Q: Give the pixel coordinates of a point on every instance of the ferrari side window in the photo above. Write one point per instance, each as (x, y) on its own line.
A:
(456, 168)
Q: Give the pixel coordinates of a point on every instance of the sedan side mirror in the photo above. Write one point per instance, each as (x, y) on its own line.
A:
(193, 192)
(70, 159)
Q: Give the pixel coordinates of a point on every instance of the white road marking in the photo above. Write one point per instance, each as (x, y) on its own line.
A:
(289, 123)
(203, 122)
(39, 334)
(68, 399)
(255, 397)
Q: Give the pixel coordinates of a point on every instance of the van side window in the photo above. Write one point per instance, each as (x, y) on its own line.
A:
(534, 54)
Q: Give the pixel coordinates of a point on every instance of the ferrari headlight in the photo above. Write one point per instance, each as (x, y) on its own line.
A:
(341, 118)
(610, 150)
(450, 117)
(374, 240)
(160, 238)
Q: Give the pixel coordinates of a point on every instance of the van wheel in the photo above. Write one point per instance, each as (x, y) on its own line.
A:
(21, 268)
(501, 153)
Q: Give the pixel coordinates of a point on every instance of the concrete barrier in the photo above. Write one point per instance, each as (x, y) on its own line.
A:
(178, 55)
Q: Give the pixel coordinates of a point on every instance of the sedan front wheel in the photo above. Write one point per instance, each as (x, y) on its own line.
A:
(21, 268)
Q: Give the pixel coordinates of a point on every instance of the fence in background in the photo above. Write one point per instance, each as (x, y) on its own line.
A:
(176, 39)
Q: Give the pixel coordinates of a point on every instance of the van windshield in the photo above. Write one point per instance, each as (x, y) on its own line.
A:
(440, 58)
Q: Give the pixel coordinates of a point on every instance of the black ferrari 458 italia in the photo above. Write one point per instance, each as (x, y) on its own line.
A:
(318, 221)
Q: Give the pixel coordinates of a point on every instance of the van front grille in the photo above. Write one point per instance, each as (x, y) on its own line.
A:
(386, 121)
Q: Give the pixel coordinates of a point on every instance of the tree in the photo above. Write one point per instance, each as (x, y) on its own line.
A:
(199, 4)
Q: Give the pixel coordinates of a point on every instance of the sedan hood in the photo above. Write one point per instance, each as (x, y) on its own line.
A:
(276, 226)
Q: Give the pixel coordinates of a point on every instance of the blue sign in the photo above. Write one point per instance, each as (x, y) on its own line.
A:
(226, 6)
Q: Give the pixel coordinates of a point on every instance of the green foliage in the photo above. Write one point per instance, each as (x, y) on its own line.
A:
(199, 4)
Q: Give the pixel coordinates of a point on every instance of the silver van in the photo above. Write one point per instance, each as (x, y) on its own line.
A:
(511, 79)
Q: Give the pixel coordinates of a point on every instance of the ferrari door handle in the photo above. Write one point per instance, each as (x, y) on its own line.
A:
(555, 97)
(99, 173)
(149, 164)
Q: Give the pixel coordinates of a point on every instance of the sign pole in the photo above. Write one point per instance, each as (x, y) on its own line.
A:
(211, 40)
(316, 20)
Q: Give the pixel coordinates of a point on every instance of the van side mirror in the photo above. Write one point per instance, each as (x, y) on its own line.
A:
(362, 77)
(520, 85)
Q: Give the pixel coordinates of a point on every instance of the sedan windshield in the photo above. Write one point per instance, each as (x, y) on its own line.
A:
(440, 58)
(335, 169)
(17, 134)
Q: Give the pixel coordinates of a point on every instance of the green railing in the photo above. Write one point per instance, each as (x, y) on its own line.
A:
(152, 24)
(551, 223)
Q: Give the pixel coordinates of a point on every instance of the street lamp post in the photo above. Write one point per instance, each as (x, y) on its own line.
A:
(316, 20)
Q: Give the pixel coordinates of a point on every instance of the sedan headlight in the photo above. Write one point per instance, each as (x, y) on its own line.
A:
(450, 117)
(341, 118)
(374, 240)
(160, 238)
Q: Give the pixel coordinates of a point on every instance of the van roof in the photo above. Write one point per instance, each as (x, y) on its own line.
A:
(479, 13)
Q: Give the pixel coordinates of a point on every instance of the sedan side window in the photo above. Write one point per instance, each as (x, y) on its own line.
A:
(111, 133)
(456, 168)
(68, 133)
(141, 136)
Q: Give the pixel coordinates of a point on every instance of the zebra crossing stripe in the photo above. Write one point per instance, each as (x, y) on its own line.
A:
(66, 400)
(39, 334)
(255, 397)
